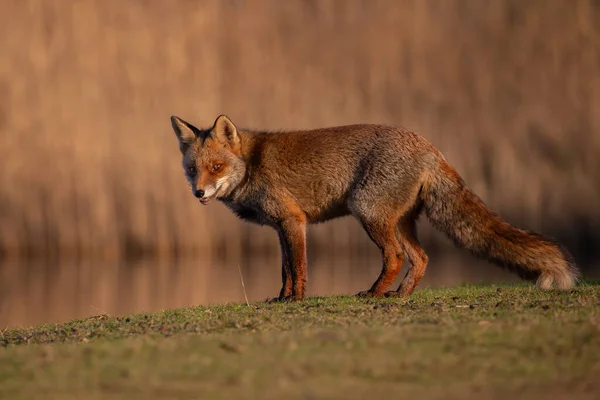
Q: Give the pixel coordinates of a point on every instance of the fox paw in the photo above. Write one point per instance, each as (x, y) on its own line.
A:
(279, 299)
(394, 293)
(368, 294)
(284, 299)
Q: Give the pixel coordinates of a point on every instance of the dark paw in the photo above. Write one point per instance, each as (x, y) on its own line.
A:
(276, 300)
(368, 294)
(284, 299)
(396, 293)
(286, 294)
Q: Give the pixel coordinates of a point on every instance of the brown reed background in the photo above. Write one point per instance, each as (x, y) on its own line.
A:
(90, 169)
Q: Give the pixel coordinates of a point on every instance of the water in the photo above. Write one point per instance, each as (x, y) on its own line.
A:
(41, 292)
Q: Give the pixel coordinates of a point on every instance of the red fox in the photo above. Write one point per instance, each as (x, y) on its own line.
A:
(382, 175)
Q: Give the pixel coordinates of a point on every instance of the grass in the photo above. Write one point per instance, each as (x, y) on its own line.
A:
(471, 341)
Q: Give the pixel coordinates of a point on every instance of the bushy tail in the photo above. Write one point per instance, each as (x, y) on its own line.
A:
(458, 212)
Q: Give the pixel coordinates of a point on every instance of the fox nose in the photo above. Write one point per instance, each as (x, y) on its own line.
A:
(199, 193)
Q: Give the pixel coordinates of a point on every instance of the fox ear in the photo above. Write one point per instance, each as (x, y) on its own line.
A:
(186, 133)
(225, 132)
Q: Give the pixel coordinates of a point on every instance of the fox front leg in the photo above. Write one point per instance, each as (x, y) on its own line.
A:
(293, 239)
(286, 268)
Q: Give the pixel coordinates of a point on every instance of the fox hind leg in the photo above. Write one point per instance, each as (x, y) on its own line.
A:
(407, 236)
(385, 195)
(382, 233)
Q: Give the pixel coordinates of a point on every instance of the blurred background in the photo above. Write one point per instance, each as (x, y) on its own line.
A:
(95, 213)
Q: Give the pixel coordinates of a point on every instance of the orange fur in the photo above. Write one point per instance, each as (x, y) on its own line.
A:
(383, 176)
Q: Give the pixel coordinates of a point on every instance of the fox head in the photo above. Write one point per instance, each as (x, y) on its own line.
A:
(211, 157)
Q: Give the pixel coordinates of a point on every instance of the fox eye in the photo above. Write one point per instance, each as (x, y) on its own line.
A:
(191, 171)
(216, 167)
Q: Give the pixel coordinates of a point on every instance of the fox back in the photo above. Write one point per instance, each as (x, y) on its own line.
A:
(315, 170)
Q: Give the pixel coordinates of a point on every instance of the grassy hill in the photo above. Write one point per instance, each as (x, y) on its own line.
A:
(464, 342)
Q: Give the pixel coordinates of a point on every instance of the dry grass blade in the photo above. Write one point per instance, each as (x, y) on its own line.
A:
(243, 286)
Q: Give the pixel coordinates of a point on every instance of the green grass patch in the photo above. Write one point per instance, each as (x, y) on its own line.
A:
(471, 341)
